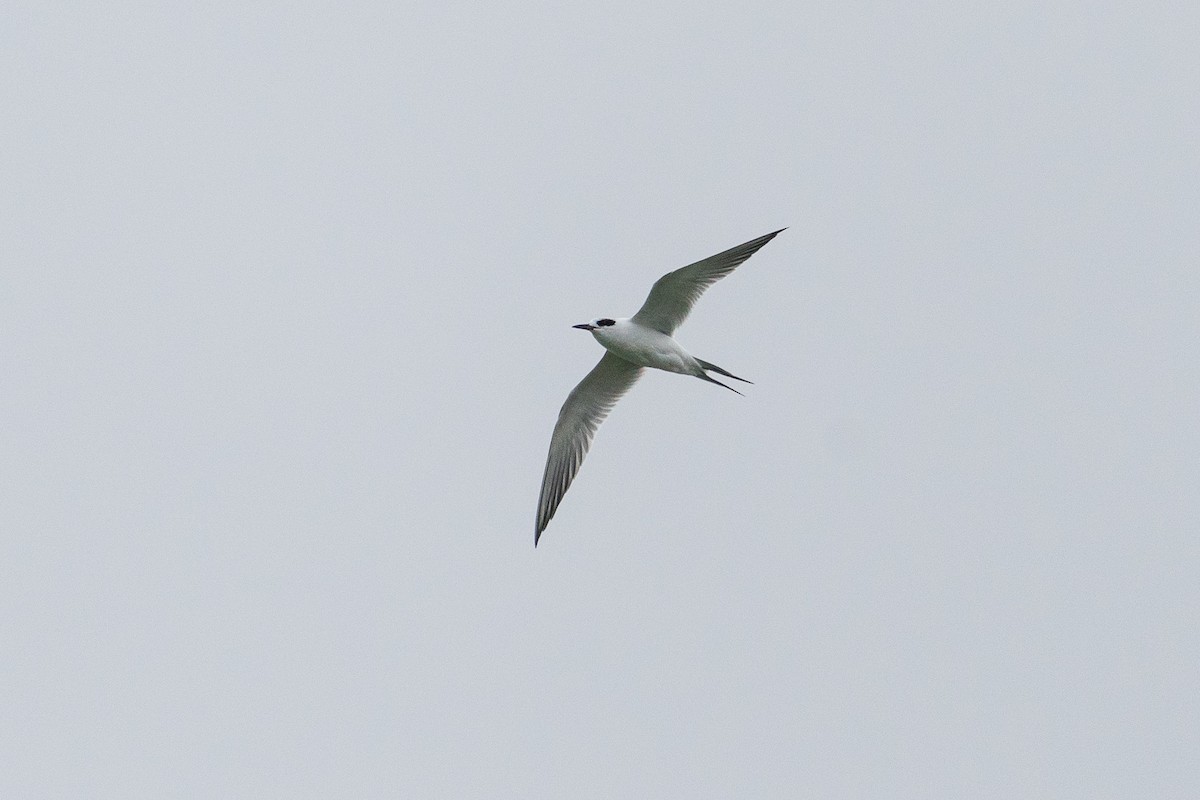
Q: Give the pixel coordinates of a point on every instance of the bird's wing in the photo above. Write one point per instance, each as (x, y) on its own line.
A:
(674, 294)
(586, 407)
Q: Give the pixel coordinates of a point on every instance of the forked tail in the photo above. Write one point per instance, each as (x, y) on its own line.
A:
(714, 368)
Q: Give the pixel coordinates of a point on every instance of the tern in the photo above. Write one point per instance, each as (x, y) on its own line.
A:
(632, 344)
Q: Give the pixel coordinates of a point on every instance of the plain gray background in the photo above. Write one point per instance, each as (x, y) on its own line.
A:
(285, 320)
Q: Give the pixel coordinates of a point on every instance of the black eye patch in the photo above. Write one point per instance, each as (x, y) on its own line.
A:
(604, 323)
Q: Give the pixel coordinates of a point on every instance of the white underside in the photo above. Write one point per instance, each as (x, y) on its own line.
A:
(646, 347)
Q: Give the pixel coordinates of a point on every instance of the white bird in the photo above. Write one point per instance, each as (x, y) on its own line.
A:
(632, 344)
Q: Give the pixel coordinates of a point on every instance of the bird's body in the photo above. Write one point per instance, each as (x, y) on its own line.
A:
(632, 344)
(646, 347)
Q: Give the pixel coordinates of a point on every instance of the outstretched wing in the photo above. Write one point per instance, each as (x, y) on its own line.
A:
(674, 294)
(586, 407)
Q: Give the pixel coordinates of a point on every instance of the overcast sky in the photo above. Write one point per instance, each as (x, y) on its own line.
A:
(285, 310)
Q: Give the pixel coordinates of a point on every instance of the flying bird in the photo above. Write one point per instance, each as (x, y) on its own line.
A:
(633, 344)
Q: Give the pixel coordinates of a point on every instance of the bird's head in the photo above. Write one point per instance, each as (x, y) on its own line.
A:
(603, 322)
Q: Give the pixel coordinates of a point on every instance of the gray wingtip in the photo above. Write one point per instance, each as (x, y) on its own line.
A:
(762, 240)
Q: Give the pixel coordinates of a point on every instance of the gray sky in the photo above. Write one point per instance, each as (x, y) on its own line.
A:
(285, 311)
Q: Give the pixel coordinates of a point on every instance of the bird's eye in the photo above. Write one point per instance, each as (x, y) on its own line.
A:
(604, 323)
